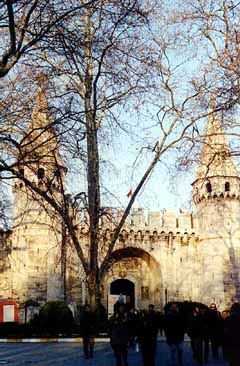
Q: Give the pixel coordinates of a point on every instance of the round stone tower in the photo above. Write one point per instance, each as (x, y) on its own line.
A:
(216, 194)
(37, 227)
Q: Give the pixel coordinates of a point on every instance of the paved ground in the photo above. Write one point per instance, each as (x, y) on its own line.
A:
(70, 354)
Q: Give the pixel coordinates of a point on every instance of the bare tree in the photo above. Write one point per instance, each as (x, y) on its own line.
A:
(112, 57)
(102, 57)
(211, 31)
(25, 23)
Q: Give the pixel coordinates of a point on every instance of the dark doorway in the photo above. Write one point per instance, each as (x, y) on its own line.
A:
(126, 288)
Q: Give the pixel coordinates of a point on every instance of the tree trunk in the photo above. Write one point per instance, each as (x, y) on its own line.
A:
(63, 261)
(92, 168)
(94, 295)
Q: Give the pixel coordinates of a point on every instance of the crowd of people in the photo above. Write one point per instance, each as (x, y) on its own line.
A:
(207, 328)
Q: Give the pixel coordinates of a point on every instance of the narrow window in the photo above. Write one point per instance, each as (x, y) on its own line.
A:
(144, 293)
(227, 187)
(40, 173)
(208, 187)
(21, 172)
(57, 173)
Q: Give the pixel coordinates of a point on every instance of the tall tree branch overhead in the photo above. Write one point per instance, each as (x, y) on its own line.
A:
(23, 24)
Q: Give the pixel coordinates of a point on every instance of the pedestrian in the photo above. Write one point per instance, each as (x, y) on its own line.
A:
(215, 325)
(161, 322)
(147, 335)
(198, 332)
(231, 336)
(133, 323)
(87, 329)
(225, 314)
(174, 330)
(120, 301)
(119, 335)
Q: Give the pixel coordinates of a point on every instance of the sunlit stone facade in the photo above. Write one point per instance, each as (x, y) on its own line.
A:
(164, 255)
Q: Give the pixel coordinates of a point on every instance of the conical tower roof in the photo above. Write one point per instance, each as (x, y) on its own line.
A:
(217, 174)
(41, 142)
(215, 157)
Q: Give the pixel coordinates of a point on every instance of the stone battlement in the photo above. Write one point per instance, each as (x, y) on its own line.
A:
(147, 221)
(161, 220)
(165, 220)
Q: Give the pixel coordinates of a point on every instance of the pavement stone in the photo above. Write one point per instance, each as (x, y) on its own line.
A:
(71, 354)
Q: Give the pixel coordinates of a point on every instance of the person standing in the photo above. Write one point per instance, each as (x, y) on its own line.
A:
(215, 325)
(133, 322)
(87, 329)
(147, 335)
(174, 330)
(231, 336)
(119, 335)
(225, 315)
(161, 322)
(198, 333)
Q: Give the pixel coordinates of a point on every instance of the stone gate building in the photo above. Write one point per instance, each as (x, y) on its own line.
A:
(159, 257)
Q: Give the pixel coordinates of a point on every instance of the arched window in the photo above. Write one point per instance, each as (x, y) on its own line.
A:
(40, 173)
(208, 187)
(227, 187)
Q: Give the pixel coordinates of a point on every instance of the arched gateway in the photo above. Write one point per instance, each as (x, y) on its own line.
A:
(135, 274)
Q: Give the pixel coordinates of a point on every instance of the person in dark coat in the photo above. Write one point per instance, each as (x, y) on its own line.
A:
(225, 315)
(161, 322)
(174, 330)
(133, 323)
(198, 333)
(215, 325)
(87, 329)
(147, 335)
(231, 336)
(119, 335)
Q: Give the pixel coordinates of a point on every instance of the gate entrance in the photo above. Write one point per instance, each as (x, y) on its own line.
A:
(125, 287)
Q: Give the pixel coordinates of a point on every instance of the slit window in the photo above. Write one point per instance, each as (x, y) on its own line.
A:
(21, 172)
(41, 173)
(144, 293)
(227, 187)
(57, 173)
(208, 187)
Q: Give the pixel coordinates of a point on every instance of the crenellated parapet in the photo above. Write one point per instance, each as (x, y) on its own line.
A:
(139, 219)
(167, 221)
(147, 230)
(225, 188)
